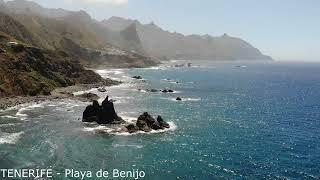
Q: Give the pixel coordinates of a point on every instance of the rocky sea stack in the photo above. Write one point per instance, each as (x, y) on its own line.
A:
(106, 114)
(147, 123)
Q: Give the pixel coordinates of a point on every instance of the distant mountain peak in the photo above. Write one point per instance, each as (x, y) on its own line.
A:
(225, 35)
(131, 34)
(82, 15)
(152, 24)
(23, 4)
(30, 7)
(115, 18)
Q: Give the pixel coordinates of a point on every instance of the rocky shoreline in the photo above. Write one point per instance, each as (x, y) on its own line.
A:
(57, 94)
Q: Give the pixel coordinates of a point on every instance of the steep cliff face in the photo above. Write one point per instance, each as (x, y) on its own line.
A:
(29, 70)
(32, 71)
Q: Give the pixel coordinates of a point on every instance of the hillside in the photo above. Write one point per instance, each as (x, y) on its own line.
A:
(77, 34)
(165, 44)
(28, 70)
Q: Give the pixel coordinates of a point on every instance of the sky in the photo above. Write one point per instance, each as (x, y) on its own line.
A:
(284, 29)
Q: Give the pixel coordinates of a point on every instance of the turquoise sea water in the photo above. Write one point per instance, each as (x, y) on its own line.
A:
(236, 121)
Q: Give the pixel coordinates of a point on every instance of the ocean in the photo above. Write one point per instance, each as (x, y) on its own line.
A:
(235, 121)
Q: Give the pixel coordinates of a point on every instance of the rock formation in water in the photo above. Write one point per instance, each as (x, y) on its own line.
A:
(147, 123)
(104, 114)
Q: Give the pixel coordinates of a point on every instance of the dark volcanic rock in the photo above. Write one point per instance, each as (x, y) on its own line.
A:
(146, 123)
(137, 77)
(102, 90)
(104, 114)
(132, 128)
(90, 114)
(152, 90)
(107, 113)
(150, 121)
(167, 91)
(143, 126)
(162, 123)
(179, 99)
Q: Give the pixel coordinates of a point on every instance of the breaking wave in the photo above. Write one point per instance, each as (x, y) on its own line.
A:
(10, 138)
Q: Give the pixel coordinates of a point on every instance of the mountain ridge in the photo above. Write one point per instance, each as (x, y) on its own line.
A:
(180, 46)
(148, 40)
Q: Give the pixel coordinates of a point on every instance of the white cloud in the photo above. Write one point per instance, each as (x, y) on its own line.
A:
(113, 2)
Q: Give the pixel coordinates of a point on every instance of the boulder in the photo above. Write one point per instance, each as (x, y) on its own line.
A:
(137, 77)
(152, 90)
(146, 122)
(143, 126)
(131, 128)
(102, 90)
(162, 123)
(165, 91)
(179, 99)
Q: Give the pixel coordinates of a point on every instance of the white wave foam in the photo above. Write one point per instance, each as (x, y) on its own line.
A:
(78, 93)
(110, 71)
(21, 112)
(141, 90)
(129, 119)
(177, 92)
(156, 68)
(21, 115)
(170, 81)
(128, 145)
(35, 106)
(9, 117)
(10, 138)
(183, 99)
(119, 131)
(122, 97)
(192, 99)
(113, 73)
(9, 124)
